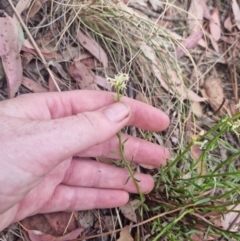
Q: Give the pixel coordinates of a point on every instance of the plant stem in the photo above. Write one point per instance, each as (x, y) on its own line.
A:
(127, 164)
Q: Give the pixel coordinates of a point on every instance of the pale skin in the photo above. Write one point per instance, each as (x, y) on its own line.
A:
(46, 144)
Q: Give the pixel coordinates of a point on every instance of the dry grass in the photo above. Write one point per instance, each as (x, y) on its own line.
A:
(186, 197)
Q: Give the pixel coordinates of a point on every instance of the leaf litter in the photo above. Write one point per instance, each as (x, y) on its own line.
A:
(10, 45)
(84, 57)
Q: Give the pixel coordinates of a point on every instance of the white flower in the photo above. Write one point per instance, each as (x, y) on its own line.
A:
(119, 81)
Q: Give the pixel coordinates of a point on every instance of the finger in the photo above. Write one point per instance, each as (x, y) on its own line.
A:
(94, 174)
(47, 106)
(139, 150)
(51, 142)
(67, 198)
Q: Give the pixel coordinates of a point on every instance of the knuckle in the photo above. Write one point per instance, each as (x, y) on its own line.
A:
(86, 120)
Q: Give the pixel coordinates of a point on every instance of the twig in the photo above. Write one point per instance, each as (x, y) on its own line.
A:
(150, 13)
(138, 224)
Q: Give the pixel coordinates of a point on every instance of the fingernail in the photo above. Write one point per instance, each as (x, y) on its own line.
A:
(117, 112)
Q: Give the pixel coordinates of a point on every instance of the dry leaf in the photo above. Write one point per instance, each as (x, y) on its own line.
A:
(84, 76)
(91, 63)
(236, 13)
(214, 91)
(189, 43)
(32, 85)
(231, 40)
(106, 223)
(128, 210)
(125, 235)
(22, 5)
(134, 3)
(94, 48)
(197, 109)
(10, 45)
(198, 236)
(229, 217)
(228, 24)
(176, 86)
(86, 219)
(29, 48)
(51, 223)
(234, 109)
(215, 26)
(202, 43)
(82, 56)
(60, 69)
(195, 16)
(69, 54)
(156, 5)
(206, 12)
(26, 59)
(103, 82)
(37, 5)
(214, 43)
(36, 235)
(196, 152)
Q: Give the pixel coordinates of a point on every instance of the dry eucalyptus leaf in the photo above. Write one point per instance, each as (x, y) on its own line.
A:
(103, 82)
(94, 48)
(215, 26)
(229, 217)
(22, 5)
(106, 222)
(82, 56)
(214, 91)
(206, 11)
(231, 40)
(189, 43)
(228, 24)
(36, 235)
(214, 43)
(175, 85)
(197, 109)
(86, 219)
(156, 5)
(195, 16)
(10, 45)
(125, 235)
(84, 76)
(37, 5)
(234, 109)
(26, 59)
(50, 227)
(60, 69)
(29, 48)
(196, 152)
(200, 236)
(236, 13)
(32, 85)
(69, 54)
(128, 210)
(142, 3)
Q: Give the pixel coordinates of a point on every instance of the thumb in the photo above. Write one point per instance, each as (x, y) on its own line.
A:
(56, 140)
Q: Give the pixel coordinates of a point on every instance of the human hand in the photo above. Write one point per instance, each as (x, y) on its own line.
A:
(46, 140)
